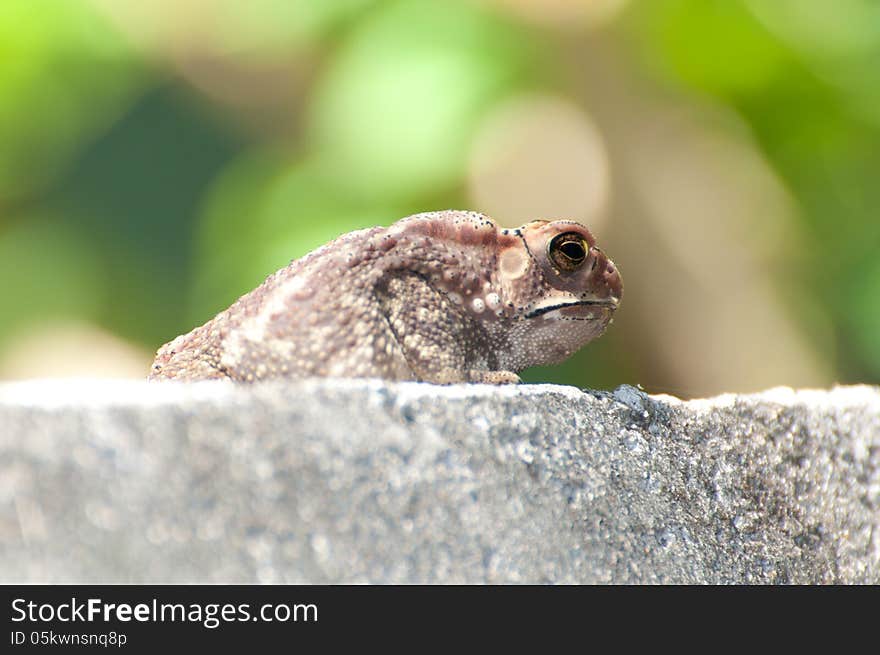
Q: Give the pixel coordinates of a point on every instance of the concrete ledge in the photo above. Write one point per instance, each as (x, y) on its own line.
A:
(327, 481)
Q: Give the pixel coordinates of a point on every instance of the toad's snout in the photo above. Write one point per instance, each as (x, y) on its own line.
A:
(607, 281)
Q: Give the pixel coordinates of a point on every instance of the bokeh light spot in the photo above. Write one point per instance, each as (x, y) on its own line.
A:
(540, 157)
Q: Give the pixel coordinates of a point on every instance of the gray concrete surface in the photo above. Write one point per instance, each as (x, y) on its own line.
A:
(359, 481)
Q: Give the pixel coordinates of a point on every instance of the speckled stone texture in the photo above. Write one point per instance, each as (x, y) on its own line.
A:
(362, 481)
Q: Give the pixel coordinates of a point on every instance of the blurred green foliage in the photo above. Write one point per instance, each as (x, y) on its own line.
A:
(805, 75)
(131, 197)
(53, 100)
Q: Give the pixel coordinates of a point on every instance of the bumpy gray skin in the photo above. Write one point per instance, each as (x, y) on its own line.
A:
(440, 297)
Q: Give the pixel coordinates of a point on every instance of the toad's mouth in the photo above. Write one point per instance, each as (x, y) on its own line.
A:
(579, 309)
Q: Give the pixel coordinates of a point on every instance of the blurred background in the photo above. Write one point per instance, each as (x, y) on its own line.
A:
(159, 159)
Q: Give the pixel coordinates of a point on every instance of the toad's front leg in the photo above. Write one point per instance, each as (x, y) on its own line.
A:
(440, 342)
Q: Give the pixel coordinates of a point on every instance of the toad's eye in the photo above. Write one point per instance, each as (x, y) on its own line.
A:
(568, 251)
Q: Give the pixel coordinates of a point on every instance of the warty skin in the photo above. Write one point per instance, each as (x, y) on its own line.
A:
(439, 297)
